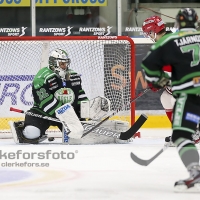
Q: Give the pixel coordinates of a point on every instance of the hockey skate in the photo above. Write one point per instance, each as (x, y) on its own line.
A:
(18, 136)
(192, 184)
(168, 141)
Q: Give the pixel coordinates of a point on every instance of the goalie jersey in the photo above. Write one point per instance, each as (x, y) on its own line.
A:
(47, 83)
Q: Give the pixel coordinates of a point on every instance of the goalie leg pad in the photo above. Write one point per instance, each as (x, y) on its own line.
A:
(18, 136)
(92, 138)
(108, 127)
(117, 125)
(114, 125)
(65, 137)
(70, 121)
(31, 132)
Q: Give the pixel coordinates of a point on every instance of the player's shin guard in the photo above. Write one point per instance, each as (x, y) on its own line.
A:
(187, 151)
(190, 158)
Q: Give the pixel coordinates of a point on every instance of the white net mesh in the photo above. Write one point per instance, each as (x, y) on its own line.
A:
(104, 65)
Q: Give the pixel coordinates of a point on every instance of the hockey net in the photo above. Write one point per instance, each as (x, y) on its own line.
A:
(106, 65)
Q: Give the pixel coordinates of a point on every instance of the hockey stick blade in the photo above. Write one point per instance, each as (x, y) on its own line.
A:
(147, 162)
(134, 128)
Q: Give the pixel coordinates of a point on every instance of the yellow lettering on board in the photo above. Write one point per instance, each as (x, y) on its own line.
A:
(46, 3)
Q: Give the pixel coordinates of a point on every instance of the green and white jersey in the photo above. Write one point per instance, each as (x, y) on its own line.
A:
(181, 52)
(45, 84)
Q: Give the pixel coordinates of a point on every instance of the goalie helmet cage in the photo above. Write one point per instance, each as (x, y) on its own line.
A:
(106, 65)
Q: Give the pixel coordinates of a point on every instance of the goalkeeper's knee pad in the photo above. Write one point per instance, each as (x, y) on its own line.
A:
(32, 135)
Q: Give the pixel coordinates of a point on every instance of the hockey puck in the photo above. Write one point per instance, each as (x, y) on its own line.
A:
(168, 139)
(51, 139)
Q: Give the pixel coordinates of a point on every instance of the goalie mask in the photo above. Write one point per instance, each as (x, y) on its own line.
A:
(59, 62)
(152, 26)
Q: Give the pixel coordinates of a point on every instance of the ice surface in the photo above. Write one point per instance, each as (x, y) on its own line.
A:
(97, 171)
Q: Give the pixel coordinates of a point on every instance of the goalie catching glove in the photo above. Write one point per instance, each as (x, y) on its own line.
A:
(95, 109)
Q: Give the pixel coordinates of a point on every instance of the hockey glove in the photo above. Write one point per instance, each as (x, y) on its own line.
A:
(161, 83)
(151, 86)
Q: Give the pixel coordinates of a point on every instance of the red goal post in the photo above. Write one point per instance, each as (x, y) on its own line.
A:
(106, 65)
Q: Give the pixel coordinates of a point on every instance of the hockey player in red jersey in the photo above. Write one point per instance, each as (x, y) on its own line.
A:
(154, 28)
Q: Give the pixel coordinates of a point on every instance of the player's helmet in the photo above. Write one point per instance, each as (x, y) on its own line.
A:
(57, 56)
(152, 26)
(187, 18)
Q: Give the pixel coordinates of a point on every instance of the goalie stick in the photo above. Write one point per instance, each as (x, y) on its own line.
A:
(114, 113)
(147, 162)
(120, 135)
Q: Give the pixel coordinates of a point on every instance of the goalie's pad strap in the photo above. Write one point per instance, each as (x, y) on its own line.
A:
(85, 109)
(70, 121)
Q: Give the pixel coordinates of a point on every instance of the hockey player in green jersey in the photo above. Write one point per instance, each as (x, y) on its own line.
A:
(180, 51)
(52, 87)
